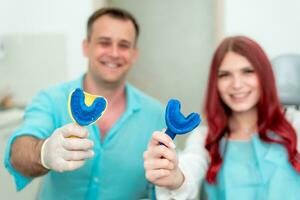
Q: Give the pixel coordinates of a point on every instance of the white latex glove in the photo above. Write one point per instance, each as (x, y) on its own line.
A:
(61, 152)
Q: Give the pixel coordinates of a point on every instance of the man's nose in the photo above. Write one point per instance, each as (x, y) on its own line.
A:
(114, 51)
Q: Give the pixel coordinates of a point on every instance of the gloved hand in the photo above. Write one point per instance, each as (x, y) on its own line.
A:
(61, 152)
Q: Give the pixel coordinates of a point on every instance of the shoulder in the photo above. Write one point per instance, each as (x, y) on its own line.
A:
(196, 139)
(53, 96)
(62, 88)
(199, 134)
(58, 91)
(293, 116)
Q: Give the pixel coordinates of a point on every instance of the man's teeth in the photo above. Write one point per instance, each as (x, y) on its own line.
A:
(111, 65)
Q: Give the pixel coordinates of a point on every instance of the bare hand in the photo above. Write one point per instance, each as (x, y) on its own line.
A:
(161, 162)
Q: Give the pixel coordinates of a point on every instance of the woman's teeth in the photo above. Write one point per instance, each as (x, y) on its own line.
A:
(240, 96)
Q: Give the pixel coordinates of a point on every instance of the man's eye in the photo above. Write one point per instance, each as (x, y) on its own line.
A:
(105, 44)
(124, 46)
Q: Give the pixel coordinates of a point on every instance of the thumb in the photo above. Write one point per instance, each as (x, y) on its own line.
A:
(74, 130)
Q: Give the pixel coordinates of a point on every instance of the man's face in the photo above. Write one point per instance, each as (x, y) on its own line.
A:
(110, 50)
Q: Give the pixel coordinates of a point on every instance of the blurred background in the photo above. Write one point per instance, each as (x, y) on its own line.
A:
(40, 45)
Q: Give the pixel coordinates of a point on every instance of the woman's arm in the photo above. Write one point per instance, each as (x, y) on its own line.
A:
(192, 164)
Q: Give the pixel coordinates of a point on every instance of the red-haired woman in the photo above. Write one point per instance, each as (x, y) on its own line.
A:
(251, 148)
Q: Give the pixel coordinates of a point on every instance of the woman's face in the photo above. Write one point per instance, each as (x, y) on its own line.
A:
(238, 83)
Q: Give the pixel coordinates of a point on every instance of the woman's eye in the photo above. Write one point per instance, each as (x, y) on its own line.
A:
(222, 75)
(248, 71)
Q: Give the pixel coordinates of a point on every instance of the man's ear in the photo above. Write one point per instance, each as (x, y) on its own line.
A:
(136, 54)
(85, 47)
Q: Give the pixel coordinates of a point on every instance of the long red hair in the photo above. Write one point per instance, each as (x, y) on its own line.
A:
(270, 114)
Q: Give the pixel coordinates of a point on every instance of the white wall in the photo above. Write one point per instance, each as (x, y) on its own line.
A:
(55, 16)
(176, 43)
(275, 24)
(32, 62)
(33, 19)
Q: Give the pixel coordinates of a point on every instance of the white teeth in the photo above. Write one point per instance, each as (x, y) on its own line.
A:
(111, 65)
(241, 95)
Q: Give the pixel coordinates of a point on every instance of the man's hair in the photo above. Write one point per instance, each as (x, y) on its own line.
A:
(116, 13)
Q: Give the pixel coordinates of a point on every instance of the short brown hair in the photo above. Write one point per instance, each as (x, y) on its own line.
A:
(116, 13)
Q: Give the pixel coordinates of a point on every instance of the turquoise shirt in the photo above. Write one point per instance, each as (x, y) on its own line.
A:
(255, 170)
(116, 171)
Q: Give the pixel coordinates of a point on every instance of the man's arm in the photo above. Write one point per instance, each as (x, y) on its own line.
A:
(65, 150)
(25, 156)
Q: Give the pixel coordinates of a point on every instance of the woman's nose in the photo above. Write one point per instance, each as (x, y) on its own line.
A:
(237, 82)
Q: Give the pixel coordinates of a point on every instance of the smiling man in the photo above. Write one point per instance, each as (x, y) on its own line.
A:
(105, 160)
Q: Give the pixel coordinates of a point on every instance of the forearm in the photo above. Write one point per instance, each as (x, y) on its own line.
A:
(25, 156)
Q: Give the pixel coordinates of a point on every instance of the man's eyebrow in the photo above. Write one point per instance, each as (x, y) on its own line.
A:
(103, 38)
(125, 41)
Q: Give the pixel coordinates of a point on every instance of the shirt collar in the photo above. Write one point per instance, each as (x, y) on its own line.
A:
(132, 95)
(133, 98)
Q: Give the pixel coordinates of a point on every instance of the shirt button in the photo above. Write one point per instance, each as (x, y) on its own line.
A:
(96, 180)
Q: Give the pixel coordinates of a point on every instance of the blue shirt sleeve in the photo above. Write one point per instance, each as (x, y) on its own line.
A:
(39, 121)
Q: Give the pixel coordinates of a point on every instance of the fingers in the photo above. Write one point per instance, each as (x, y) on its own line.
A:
(153, 175)
(152, 164)
(161, 137)
(160, 161)
(70, 165)
(77, 155)
(160, 151)
(77, 144)
(74, 130)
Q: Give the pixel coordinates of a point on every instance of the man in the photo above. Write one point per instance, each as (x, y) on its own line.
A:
(103, 161)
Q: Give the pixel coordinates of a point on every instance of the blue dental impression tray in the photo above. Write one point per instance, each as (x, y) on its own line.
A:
(176, 122)
(84, 108)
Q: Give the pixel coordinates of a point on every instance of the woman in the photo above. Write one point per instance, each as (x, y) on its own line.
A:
(252, 147)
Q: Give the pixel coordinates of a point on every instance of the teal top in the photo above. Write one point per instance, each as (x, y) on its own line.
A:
(254, 170)
(116, 171)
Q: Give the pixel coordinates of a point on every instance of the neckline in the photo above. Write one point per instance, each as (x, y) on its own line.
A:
(241, 140)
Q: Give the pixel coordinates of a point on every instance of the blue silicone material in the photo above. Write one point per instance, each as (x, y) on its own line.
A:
(85, 115)
(177, 123)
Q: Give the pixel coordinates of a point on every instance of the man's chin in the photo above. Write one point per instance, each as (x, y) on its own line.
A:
(114, 82)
